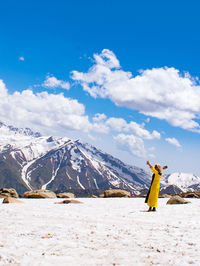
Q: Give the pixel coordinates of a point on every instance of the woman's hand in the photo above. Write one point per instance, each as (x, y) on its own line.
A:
(148, 163)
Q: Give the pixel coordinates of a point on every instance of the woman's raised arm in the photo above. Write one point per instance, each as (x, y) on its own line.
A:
(149, 164)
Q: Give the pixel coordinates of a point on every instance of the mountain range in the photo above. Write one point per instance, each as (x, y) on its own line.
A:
(30, 161)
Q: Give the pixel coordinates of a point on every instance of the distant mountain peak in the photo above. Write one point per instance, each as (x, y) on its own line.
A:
(8, 129)
(182, 180)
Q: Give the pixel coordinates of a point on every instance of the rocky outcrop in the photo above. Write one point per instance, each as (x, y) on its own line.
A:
(65, 195)
(164, 196)
(116, 193)
(11, 200)
(8, 192)
(177, 200)
(69, 201)
(39, 194)
(194, 194)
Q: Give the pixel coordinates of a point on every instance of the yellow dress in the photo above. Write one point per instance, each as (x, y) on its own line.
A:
(152, 196)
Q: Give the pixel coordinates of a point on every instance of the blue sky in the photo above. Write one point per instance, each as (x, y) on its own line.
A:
(121, 75)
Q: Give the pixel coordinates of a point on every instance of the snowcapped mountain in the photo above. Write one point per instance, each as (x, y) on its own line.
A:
(10, 131)
(31, 161)
(184, 181)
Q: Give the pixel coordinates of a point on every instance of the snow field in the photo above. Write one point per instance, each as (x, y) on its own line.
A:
(112, 231)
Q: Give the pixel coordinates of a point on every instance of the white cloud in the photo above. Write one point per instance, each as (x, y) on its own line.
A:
(159, 92)
(53, 82)
(107, 58)
(152, 148)
(100, 127)
(173, 141)
(3, 90)
(120, 125)
(132, 144)
(21, 58)
(99, 124)
(116, 124)
(47, 112)
(102, 124)
(99, 117)
(42, 112)
(55, 114)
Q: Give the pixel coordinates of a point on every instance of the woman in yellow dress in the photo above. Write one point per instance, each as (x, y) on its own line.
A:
(153, 193)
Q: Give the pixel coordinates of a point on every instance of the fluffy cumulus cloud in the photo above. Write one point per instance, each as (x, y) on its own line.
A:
(42, 111)
(53, 112)
(174, 142)
(130, 135)
(119, 124)
(114, 124)
(99, 117)
(132, 144)
(163, 93)
(53, 82)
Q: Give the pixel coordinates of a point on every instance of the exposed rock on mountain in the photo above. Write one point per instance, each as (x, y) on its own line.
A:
(171, 189)
(194, 187)
(30, 161)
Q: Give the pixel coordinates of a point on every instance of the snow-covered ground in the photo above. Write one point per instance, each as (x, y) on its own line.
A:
(109, 231)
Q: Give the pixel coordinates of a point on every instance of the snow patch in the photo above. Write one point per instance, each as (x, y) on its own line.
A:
(95, 181)
(80, 183)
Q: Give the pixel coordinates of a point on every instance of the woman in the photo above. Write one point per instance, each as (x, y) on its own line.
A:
(153, 193)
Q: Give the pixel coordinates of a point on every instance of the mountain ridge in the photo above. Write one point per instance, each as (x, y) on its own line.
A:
(57, 163)
(30, 161)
